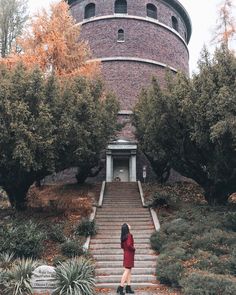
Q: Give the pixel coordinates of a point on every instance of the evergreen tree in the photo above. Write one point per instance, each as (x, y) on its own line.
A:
(46, 126)
(192, 125)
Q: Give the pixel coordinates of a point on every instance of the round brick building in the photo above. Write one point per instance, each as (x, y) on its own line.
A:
(134, 40)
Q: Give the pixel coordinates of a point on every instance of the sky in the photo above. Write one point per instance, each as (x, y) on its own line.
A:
(203, 14)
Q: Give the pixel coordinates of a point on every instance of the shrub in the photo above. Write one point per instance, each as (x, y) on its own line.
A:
(212, 263)
(169, 270)
(177, 227)
(58, 259)
(164, 200)
(56, 233)
(157, 240)
(72, 248)
(230, 221)
(232, 263)
(6, 260)
(24, 239)
(17, 280)
(86, 228)
(76, 276)
(208, 283)
(216, 240)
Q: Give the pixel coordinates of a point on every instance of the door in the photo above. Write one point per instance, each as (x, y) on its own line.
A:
(121, 170)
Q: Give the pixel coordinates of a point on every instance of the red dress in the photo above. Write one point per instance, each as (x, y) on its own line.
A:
(129, 250)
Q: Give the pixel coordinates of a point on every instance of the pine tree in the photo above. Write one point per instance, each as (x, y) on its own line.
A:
(192, 125)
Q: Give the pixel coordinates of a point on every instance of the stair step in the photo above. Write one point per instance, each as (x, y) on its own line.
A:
(95, 246)
(116, 240)
(121, 220)
(116, 236)
(117, 224)
(117, 278)
(117, 227)
(119, 264)
(112, 257)
(119, 271)
(120, 251)
(134, 285)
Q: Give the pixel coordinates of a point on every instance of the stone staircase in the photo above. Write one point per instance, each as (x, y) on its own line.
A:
(121, 204)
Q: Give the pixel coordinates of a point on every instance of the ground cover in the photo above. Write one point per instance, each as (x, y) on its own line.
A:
(196, 242)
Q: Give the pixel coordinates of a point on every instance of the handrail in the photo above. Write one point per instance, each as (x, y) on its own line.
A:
(101, 194)
(153, 212)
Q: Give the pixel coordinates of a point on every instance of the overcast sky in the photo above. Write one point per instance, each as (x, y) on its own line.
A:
(203, 14)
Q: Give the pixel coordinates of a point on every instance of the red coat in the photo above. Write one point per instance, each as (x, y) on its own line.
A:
(129, 250)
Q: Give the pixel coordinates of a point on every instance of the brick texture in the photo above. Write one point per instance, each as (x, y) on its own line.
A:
(143, 39)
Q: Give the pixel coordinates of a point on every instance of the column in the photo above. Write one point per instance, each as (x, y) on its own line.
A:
(109, 170)
(133, 167)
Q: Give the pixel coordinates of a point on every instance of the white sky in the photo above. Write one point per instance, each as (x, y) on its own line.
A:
(203, 14)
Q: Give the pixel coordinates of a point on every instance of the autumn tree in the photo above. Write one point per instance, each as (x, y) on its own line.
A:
(225, 30)
(13, 15)
(47, 126)
(52, 42)
(191, 125)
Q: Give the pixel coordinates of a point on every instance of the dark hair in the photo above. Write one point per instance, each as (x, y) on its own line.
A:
(124, 232)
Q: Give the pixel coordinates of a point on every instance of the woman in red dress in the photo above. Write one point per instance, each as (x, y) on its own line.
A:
(127, 244)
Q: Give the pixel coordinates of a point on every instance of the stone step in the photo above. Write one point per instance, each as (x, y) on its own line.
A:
(126, 210)
(111, 257)
(123, 214)
(95, 246)
(119, 271)
(116, 240)
(117, 227)
(118, 222)
(119, 251)
(135, 285)
(119, 264)
(121, 220)
(117, 278)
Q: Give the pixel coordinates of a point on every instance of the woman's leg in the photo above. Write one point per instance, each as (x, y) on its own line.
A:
(124, 277)
(129, 278)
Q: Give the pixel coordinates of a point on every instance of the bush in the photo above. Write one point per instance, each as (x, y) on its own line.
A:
(72, 248)
(212, 263)
(24, 239)
(157, 240)
(164, 200)
(56, 233)
(17, 280)
(169, 270)
(6, 260)
(230, 221)
(86, 228)
(76, 276)
(217, 241)
(208, 283)
(58, 259)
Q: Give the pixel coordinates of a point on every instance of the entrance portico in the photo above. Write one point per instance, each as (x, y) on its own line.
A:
(121, 161)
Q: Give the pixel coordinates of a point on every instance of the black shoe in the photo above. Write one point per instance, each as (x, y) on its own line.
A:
(120, 290)
(129, 290)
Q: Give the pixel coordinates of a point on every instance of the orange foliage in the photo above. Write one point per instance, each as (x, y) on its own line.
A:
(226, 28)
(52, 42)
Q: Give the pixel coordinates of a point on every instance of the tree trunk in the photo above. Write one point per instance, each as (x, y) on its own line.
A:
(216, 194)
(82, 174)
(17, 195)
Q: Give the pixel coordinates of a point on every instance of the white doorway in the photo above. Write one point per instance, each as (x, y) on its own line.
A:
(121, 170)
